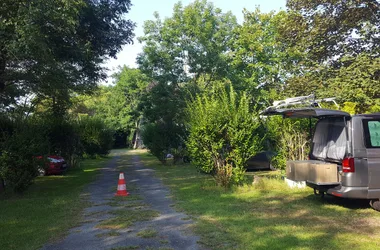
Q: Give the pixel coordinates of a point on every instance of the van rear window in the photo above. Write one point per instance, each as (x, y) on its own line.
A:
(330, 140)
(372, 131)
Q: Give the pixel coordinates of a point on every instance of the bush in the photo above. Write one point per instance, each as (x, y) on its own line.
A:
(223, 134)
(20, 142)
(289, 138)
(95, 137)
(162, 138)
(62, 137)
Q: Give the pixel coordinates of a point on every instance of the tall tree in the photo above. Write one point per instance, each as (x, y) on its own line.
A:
(131, 87)
(338, 37)
(192, 43)
(119, 106)
(330, 29)
(50, 48)
(260, 60)
(190, 47)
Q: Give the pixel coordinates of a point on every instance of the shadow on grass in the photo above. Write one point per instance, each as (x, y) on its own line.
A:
(47, 209)
(269, 215)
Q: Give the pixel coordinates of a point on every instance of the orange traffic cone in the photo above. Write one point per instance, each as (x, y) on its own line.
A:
(121, 187)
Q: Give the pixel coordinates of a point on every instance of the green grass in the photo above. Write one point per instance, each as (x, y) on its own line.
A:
(147, 233)
(108, 234)
(268, 215)
(50, 207)
(125, 218)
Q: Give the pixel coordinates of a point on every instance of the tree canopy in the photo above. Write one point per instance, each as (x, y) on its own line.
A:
(340, 41)
(192, 43)
(50, 48)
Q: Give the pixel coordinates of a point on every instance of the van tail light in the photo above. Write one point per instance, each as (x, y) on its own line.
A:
(348, 165)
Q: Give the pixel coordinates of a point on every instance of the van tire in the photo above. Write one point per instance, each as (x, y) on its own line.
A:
(375, 204)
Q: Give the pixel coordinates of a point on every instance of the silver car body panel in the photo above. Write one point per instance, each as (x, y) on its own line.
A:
(364, 183)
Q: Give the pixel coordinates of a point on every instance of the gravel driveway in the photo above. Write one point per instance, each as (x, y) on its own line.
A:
(167, 229)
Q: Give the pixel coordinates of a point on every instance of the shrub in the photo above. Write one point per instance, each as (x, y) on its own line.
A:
(20, 142)
(95, 137)
(223, 134)
(289, 138)
(63, 138)
(162, 138)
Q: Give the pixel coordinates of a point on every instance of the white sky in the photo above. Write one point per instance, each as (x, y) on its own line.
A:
(143, 10)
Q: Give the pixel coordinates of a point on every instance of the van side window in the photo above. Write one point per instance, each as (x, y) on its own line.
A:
(372, 133)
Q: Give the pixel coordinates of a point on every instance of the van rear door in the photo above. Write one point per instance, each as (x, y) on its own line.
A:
(305, 113)
(372, 140)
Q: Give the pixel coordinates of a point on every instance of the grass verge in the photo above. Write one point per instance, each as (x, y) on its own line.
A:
(147, 233)
(126, 217)
(47, 209)
(108, 234)
(268, 214)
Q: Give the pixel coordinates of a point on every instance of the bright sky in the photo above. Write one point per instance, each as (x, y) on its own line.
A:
(143, 10)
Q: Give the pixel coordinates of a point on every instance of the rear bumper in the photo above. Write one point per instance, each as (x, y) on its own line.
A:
(338, 190)
(349, 192)
(57, 169)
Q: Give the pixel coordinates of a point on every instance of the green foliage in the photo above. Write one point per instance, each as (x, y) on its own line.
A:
(339, 41)
(360, 82)
(222, 134)
(119, 106)
(20, 142)
(162, 138)
(191, 43)
(50, 48)
(191, 47)
(260, 59)
(95, 137)
(330, 29)
(289, 138)
(163, 114)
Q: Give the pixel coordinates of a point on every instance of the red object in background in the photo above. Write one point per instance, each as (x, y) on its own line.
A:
(55, 165)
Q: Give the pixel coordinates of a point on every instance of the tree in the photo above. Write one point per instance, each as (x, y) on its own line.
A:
(338, 37)
(127, 95)
(163, 111)
(51, 48)
(331, 29)
(223, 134)
(360, 82)
(193, 42)
(190, 47)
(260, 60)
(119, 106)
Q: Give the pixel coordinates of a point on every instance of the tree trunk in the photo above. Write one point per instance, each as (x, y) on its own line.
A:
(137, 139)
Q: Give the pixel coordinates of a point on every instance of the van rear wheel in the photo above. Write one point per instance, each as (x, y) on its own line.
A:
(375, 204)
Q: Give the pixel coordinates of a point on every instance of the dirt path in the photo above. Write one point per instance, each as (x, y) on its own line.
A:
(167, 230)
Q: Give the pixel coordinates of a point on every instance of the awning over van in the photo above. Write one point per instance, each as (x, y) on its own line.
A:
(305, 113)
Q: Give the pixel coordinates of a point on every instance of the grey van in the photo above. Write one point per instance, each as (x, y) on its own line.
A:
(344, 159)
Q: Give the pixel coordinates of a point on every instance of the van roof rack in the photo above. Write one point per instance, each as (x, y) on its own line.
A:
(305, 101)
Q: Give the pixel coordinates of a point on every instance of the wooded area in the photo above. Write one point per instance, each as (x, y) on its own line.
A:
(201, 82)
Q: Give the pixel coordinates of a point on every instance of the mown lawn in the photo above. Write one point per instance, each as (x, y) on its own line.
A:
(268, 215)
(47, 209)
